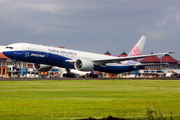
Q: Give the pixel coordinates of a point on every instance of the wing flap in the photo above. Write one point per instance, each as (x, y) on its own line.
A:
(152, 64)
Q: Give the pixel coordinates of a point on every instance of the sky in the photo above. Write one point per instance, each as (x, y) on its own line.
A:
(93, 25)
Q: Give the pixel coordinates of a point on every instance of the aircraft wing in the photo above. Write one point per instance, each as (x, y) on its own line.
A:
(151, 64)
(120, 59)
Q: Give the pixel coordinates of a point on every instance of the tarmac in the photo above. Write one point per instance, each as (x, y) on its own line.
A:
(39, 79)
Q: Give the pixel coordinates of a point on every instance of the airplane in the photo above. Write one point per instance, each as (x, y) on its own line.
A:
(44, 57)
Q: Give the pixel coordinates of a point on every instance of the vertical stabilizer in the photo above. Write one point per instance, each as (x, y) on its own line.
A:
(138, 48)
(136, 51)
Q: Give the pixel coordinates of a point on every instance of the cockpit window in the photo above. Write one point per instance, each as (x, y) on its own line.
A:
(9, 47)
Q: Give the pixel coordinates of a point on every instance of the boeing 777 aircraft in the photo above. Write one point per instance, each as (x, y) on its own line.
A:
(44, 57)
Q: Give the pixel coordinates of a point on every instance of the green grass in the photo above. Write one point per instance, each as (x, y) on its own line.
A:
(20, 100)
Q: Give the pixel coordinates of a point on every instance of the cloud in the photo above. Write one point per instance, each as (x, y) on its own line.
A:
(39, 28)
(25, 7)
(157, 34)
(163, 22)
(177, 17)
(77, 22)
(41, 7)
(164, 26)
(32, 15)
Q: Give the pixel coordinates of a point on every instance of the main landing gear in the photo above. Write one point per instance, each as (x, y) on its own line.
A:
(91, 75)
(79, 74)
(69, 75)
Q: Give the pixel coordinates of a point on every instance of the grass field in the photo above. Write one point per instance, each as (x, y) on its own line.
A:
(89, 98)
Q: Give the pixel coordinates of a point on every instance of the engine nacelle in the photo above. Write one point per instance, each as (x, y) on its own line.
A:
(84, 65)
(41, 67)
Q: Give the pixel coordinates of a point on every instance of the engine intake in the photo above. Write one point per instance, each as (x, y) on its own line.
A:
(41, 67)
(84, 65)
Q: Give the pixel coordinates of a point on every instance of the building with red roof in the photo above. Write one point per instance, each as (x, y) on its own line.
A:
(168, 59)
(151, 59)
(155, 69)
(3, 64)
(123, 54)
(2, 56)
(108, 53)
(173, 63)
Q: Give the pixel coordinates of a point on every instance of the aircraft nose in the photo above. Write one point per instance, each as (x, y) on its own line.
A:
(5, 52)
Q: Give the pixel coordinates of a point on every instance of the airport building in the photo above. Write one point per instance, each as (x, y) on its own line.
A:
(108, 53)
(13, 68)
(9, 67)
(123, 54)
(3, 64)
(169, 66)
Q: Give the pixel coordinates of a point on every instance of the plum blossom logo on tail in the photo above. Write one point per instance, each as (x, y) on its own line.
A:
(136, 51)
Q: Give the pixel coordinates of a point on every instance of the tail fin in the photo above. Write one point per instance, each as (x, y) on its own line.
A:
(138, 48)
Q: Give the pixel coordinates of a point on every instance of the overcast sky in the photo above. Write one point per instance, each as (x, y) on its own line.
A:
(93, 25)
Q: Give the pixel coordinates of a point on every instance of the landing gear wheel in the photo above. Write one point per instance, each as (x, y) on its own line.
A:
(87, 75)
(93, 75)
(69, 75)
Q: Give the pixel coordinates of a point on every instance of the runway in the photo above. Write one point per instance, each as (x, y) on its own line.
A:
(38, 79)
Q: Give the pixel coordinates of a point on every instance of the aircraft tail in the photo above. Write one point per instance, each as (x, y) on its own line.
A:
(136, 51)
(138, 48)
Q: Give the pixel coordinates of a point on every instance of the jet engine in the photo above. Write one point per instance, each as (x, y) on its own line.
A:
(41, 67)
(84, 65)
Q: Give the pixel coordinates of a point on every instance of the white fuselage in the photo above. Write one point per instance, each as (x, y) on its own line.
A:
(59, 57)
